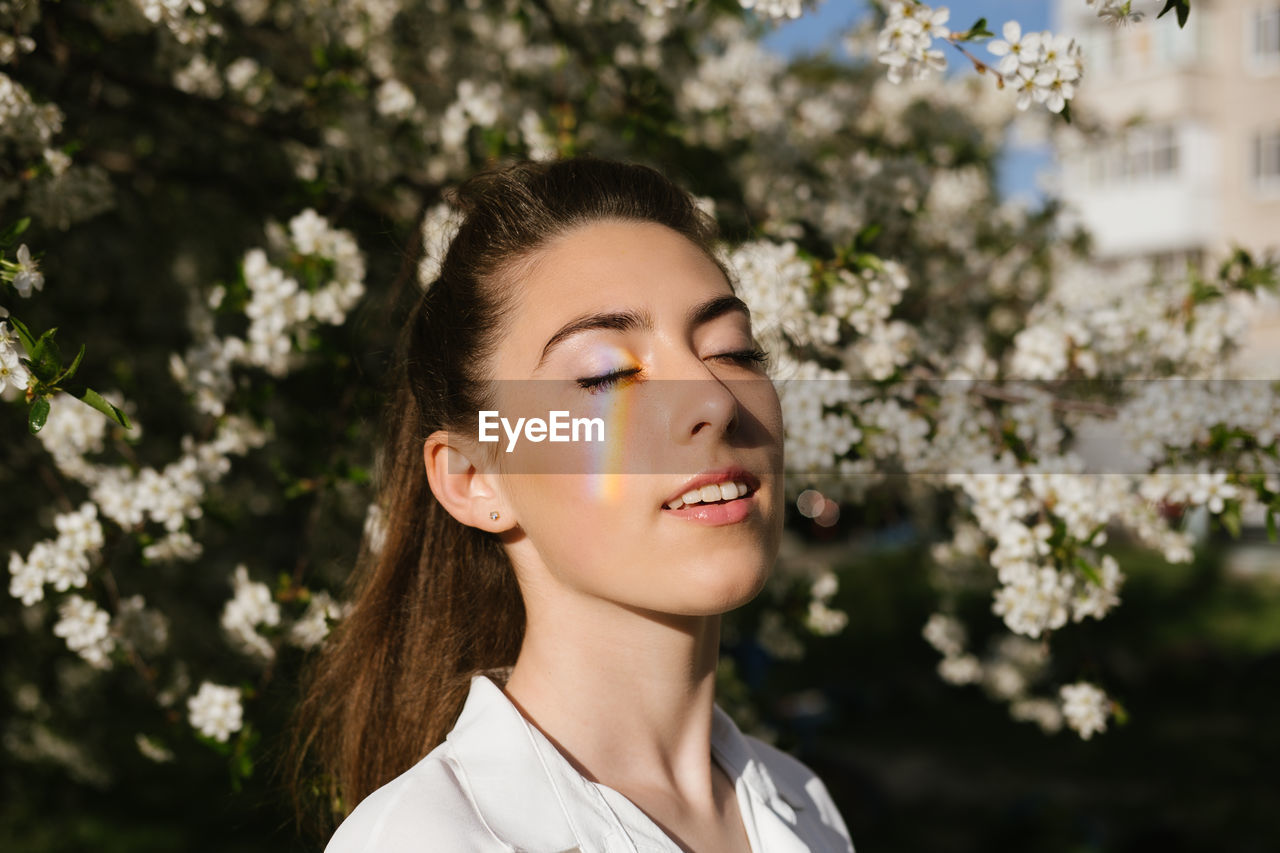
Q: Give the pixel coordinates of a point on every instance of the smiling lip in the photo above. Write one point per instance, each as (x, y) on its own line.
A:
(715, 514)
(731, 473)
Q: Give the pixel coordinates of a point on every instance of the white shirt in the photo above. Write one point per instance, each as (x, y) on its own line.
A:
(497, 784)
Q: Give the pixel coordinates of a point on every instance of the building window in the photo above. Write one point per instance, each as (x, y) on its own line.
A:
(1172, 265)
(1264, 36)
(1265, 162)
(1164, 151)
(1142, 154)
(1148, 152)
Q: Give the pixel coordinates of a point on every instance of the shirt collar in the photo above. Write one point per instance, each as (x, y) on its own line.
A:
(507, 761)
(527, 793)
(742, 761)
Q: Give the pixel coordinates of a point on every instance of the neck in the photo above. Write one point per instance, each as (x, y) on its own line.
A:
(626, 695)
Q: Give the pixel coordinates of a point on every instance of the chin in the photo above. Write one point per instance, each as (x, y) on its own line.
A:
(710, 592)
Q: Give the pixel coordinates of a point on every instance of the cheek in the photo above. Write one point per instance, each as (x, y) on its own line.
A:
(576, 518)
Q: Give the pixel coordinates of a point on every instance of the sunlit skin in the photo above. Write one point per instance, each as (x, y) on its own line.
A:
(623, 600)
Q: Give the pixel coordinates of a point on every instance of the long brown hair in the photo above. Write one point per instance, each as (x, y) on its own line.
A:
(439, 600)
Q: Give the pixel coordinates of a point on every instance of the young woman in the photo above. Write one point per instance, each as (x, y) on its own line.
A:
(542, 622)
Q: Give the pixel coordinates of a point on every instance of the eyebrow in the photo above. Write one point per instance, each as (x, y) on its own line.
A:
(627, 321)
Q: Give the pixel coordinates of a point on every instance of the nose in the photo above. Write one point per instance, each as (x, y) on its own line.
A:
(702, 405)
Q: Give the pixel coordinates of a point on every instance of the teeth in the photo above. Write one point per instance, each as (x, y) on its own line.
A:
(726, 491)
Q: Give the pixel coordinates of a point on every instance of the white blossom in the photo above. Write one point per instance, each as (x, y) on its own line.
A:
(394, 99)
(311, 629)
(1085, 708)
(199, 77)
(1033, 599)
(1116, 12)
(541, 144)
(1038, 67)
(905, 42)
(86, 628)
(823, 620)
(27, 276)
(250, 606)
(13, 373)
(1097, 599)
(173, 547)
(241, 73)
(1043, 712)
(215, 711)
(26, 582)
(775, 282)
(960, 669)
(185, 20)
(1017, 50)
(152, 749)
(439, 226)
(775, 8)
(946, 634)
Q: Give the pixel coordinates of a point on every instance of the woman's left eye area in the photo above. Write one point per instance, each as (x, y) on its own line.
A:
(754, 357)
(596, 384)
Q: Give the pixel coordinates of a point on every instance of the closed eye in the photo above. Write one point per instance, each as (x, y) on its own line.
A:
(755, 357)
(596, 384)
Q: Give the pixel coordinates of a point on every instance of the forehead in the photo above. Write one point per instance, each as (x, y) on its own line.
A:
(602, 254)
(605, 266)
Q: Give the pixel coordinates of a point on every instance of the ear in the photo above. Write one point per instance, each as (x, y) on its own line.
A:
(468, 493)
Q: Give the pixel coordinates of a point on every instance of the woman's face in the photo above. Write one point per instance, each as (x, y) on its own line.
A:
(632, 324)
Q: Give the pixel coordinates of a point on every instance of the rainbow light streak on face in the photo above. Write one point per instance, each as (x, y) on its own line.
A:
(605, 467)
(606, 460)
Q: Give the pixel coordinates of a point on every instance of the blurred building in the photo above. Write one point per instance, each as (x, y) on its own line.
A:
(1192, 163)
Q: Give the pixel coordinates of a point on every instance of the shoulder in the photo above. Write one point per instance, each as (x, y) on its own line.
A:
(801, 787)
(428, 807)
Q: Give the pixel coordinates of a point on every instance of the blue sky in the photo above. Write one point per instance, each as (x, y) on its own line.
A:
(821, 27)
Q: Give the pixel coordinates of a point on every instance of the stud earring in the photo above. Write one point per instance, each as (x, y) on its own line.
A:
(493, 516)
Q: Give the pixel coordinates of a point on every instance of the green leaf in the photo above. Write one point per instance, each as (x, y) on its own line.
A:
(978, 31)
(1271, 524)
(15, 230)
(1181, 7)
(241, 759)
(1231, 519)
(46, 359)
(24, 334)
(862, 240)
(1089, 571)
(38, 415)
(71, 370)
(868, 261)
(1066, 112)
(92, 398)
